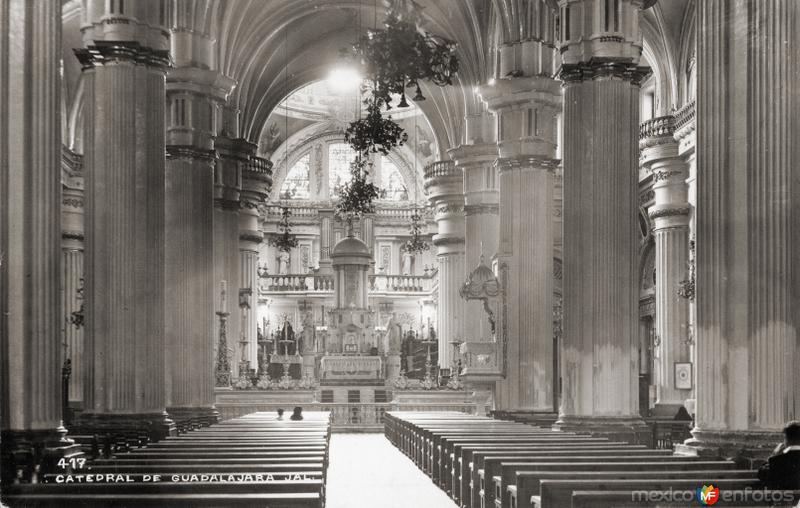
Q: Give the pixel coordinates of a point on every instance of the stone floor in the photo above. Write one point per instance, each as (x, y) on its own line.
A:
(366, 471)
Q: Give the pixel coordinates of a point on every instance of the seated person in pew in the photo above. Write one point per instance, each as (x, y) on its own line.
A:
(782, 470)
(280, 413)
(297, 414)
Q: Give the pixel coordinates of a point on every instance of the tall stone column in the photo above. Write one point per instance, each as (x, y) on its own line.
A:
(30, 240)
(670, 215)
(233, 155)
(748, 223)
(481, 213)
(444, 184)
(600, 52)
(194, 95)
(124, 67)
(526, 108)
(256, 184)
(72, 270)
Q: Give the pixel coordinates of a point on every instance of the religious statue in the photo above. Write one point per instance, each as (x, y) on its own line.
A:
(307, 339)
(283, 262)
(407, 258)
(393, 335)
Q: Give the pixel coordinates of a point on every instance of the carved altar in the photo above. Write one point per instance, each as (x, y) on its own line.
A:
(345, 368)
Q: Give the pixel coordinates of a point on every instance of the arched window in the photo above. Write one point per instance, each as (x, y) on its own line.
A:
(340, 155)
(295, 186)
(392, 181)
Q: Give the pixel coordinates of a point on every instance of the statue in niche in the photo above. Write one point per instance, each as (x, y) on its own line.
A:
(283, 262)
(272, 137)
(408, 258)
(307, 340)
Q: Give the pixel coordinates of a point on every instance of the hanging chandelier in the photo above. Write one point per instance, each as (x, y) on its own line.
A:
(416, 245)
(285, 241)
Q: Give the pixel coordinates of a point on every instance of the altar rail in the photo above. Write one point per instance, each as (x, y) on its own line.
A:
(346, 417)
(308, 283)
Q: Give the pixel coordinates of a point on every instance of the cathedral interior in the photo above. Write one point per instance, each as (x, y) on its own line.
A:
(590, 227)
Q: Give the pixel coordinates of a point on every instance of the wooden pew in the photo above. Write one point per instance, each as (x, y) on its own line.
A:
(275, 463)
(520, 493)
(558, 493)
(629, 499)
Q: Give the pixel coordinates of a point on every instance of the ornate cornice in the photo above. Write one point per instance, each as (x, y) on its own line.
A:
(105, 53)
(583, 71)
(669, 212)
(527, 162)
(251, 237)
(482, 209)
(72, 235)
(226, 204)
(190, 152)
(447, 240)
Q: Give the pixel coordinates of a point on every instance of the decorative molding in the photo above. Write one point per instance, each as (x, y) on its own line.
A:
(73, 202)
(251, 237)
(482, 209)
(109, 53)
(527, 162)
(447, 240)
(646, 197)
(226, 204)
(669, 212)
(584, 71)
(665, 175)
(72, 235)
(450, 208)
(190, 152)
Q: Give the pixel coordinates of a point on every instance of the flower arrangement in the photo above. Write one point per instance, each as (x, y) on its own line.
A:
(357, 197)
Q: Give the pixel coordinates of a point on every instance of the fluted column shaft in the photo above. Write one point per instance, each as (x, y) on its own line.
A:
(30, 237)
(195, 95)
(481, 221)
(72, 281)
(525, 108)
(445, 191)
(670, 215)
(124, 159)
(601, 122)
(747, 222)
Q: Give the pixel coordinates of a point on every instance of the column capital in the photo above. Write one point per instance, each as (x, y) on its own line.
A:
(477, 154)
(204, 82)
(115, 52)
(176, 152)
(517, 92)
(443, 178)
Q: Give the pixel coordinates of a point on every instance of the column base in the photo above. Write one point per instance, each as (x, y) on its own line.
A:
(28, 454)
(747, 448)
(190, 418)
(631, 429)
(157, 426)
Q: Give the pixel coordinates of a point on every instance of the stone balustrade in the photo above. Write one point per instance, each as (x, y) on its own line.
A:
(658, 127)
(308, 283)
(685, 116)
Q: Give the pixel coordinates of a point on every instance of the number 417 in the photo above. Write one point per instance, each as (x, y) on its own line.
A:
(73, 463)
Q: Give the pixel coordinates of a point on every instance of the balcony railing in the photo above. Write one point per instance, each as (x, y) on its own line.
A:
(657, 127)
(441, 168)
(685, 116)
(297, 283)
(378, 283)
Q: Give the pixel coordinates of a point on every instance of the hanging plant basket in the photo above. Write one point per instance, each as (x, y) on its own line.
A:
(285, 241)
(357, 197)
(374, 133)
(403, 54)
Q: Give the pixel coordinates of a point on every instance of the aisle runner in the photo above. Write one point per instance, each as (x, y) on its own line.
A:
(365, 471)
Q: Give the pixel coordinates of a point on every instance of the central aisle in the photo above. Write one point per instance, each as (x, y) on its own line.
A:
(366, 471)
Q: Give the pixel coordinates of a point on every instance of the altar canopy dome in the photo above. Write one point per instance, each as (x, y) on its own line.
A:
(351, 251)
